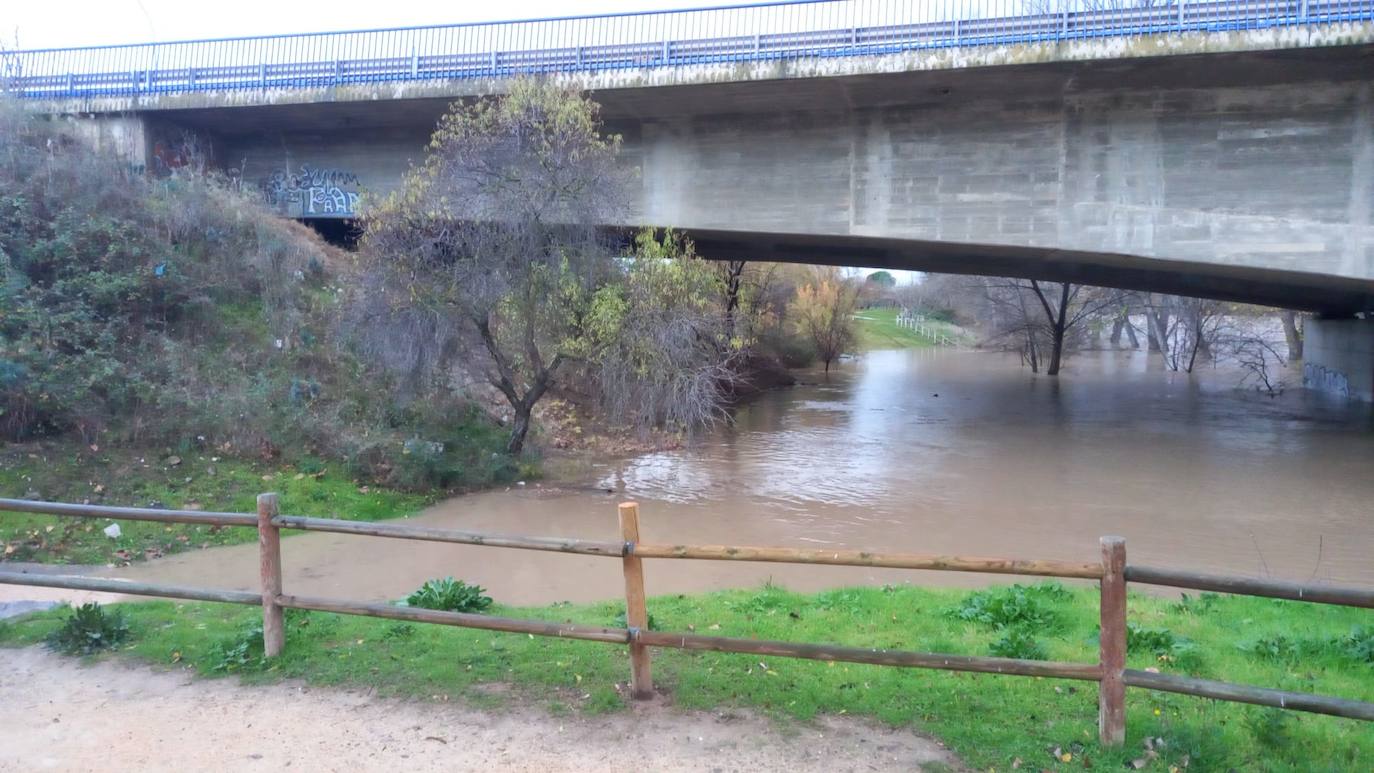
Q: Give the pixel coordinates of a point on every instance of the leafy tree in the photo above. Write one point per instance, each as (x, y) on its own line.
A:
(882, 279)
(662, 352)
(823, 312)
(494, 241)
(493, 253)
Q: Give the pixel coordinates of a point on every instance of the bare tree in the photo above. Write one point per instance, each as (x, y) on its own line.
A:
(1038, 317)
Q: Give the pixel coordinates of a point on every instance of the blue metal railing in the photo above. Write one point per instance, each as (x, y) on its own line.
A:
(739, 33)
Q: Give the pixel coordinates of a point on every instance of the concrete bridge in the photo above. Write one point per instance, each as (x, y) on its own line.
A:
(1217, 149)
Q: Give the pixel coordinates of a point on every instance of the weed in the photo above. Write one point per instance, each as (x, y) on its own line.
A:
(1273, 647)
(449, 595)
(1196, 605)
(242, 652)
(398, 632)
(1358, 644)
(1018, 605)
(1017, 643)
(1271, 728)
(90, 629)
(1165, 645)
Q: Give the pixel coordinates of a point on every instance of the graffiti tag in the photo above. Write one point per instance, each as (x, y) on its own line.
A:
(311, 192)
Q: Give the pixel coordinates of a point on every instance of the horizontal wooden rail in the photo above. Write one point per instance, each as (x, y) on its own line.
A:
(1114, 572)
(459, 619)
(1279, 589)
(427, 534)
(129, 513)
(867, 558)
(106, 585)
(1261, 696)
(1083, 671)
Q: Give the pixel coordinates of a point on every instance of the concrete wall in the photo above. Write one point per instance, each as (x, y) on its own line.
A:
(1274, 176)
(126, 136)
(1338, 357)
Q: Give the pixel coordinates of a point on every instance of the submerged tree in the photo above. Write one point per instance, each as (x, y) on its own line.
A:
(824, 313)
(1037, 318)
(493, 245)
(659, 349)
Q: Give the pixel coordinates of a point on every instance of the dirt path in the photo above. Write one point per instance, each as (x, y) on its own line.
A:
(59, 714)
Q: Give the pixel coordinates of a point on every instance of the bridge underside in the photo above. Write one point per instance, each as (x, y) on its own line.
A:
(1285, 289)
(1243, 176)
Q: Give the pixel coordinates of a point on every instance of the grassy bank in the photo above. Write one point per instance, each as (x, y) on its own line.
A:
(65, 472)
(993, 722)
(878, 329)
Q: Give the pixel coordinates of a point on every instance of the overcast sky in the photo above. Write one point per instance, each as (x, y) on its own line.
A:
(58, 23)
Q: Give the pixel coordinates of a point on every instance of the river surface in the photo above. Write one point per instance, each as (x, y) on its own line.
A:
(931, 451)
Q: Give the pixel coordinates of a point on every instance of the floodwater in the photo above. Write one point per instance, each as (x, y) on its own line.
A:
(931, 451)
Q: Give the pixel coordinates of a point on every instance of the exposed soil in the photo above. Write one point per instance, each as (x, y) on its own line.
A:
(61, 714)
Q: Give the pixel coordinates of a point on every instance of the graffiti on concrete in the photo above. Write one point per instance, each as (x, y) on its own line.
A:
(311, 192)
(1324, 379)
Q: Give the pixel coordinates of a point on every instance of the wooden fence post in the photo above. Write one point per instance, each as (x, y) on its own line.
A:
(269, 550)
(1111, 696)
(636, 613)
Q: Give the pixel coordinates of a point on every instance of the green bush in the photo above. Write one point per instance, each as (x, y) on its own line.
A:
(1018, 643)
(449, 595)
(1162, 643)
(1358, 644)
(1273, 647)
(1017, 605)
(90, 629)
(242, 652)
(177, 312)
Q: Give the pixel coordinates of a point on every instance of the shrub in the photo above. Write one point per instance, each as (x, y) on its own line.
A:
(90, 629)
(241, 652)
(1272, 647)
(449, 595)
(1358, 644)
(1018, 605)
(1017, 643)
(1164, 644)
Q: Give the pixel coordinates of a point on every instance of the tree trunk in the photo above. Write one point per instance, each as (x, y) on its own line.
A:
(1056, 350)
(1117, 325)
(1058, 328)
(734, 270)
(1152, 328)
(1130, 334)
(1292, 335)
(520, 426)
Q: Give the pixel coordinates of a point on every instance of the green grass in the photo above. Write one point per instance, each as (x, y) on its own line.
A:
(990, 721)
(68, 473)
(878, 329)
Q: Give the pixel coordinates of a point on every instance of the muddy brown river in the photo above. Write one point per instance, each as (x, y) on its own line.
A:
(925, 451)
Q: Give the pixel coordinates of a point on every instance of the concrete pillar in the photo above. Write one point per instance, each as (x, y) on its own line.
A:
(1338, 357)
(124, 135)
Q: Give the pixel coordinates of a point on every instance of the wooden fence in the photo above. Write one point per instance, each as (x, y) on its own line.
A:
(919, 324)
(1111, 571)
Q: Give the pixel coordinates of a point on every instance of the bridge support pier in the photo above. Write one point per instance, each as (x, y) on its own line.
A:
(1338, 357)
(124, 135)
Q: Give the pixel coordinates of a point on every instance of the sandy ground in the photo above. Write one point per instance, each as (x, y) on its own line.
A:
(61, 714)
